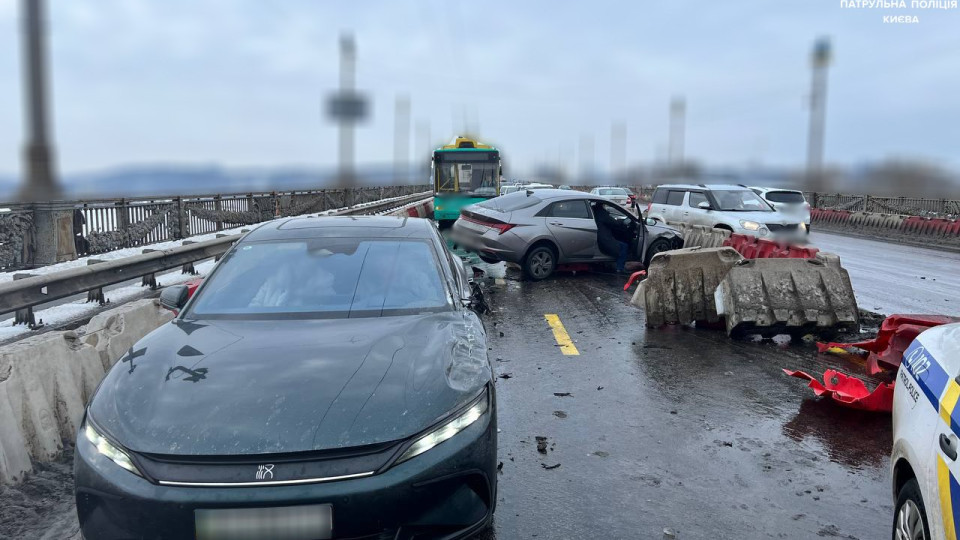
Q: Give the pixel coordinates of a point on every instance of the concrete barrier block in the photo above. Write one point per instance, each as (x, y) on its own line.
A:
(788, 296)
(46, 381)
(680, 285)
(113, 332)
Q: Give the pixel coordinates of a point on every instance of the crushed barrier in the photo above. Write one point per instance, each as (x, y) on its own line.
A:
(895, 335)
(680, 285)
(787, 296)
(849, 391)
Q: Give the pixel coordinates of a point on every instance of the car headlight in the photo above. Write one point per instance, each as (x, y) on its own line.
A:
(107, 449)
(750, 225)
(448, 430)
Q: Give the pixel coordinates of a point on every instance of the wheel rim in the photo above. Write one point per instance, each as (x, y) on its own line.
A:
(660, 248)
(541, 263)
(909, 524)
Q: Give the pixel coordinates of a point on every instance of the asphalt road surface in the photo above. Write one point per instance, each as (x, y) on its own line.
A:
(895, 278)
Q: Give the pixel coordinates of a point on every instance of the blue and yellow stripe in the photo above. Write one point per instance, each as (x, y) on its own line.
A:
(943, 392)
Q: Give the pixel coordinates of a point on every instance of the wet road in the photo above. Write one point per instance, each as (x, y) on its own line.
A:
(676, 428)
(896, 278)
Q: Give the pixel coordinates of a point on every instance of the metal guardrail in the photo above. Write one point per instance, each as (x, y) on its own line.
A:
(102, 225)
(32, 291)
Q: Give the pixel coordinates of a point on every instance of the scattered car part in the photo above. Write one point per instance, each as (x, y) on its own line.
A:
(849, 391)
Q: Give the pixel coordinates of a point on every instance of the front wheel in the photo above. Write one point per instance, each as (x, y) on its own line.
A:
(540, 263)
(658, 246)
(910, 515)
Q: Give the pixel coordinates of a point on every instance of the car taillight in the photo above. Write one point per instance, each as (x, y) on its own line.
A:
(502, 227)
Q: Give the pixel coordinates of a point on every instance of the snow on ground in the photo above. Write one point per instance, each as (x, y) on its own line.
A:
(77, 309)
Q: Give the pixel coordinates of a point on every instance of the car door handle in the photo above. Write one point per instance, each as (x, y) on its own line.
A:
(948, 446)
(557, 223)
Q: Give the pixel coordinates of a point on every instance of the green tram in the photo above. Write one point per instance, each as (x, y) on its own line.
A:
(464, 172)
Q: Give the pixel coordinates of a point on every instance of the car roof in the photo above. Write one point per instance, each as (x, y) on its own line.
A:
(554, 194)
(342, 227)
(768, 189)
(708, 187)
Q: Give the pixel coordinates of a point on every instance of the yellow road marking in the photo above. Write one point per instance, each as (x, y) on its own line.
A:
(560, 334)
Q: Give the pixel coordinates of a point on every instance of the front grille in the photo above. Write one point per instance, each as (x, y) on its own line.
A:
(774, 227)
(268, 469)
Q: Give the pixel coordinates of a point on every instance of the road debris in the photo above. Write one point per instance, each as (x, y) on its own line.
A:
(895, 335)
(560, 414)
(549, 467)
(505, 376)
(849, 391)
(563, 394)
(541, 444)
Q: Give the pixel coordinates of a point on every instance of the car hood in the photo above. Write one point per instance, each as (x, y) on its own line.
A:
(764, 217)
(259, 387)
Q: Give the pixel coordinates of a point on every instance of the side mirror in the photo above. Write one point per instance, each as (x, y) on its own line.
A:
(174, 297)
(704, 205)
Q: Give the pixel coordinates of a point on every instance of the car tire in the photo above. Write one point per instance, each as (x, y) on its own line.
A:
(658, 246)
(539, 263)
(905, 514)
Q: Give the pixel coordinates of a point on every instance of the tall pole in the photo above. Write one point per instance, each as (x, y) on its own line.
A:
(678, 111)
(401, 139)
(348, 72)
(40, 184)
(586, 157)
(818, 113)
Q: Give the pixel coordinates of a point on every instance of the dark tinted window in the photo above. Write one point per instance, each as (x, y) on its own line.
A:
(660, 196)
(696, 198)
(324, 277)
(569, 209)
(675, 198)
(792, 197)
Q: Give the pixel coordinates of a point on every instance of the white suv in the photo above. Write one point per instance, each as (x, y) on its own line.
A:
(735, 208)
(925, 430)
(787, 201)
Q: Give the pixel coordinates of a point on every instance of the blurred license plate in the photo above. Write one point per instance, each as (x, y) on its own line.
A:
(312, 522)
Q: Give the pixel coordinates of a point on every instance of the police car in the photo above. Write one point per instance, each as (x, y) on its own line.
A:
(926, 425)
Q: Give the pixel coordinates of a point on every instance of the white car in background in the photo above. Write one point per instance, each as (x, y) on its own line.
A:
(617, 195)
(720, 206)
(787, 201)
(926, 424)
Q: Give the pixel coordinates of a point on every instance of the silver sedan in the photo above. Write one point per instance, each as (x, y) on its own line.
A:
(542, 229)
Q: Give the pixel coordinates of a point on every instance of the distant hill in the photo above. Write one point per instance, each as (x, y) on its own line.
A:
(144, 180)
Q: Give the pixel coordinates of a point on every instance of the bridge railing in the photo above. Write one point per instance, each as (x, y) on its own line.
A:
(101, 225)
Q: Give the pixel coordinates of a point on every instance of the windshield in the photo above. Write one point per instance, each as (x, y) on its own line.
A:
(613, 191)
(789, 197)
(475, 173)
(740, 201)
(323, 278)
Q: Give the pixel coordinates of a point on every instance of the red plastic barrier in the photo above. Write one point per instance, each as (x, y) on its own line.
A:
(895, 335)
(953, 229)
(192, 286)
(752, 247)
(849, 391)
(912, 224)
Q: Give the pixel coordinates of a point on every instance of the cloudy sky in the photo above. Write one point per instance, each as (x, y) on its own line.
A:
(241, 82)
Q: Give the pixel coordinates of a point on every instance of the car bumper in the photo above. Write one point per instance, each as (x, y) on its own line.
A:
(488, 242)
(446, 492)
